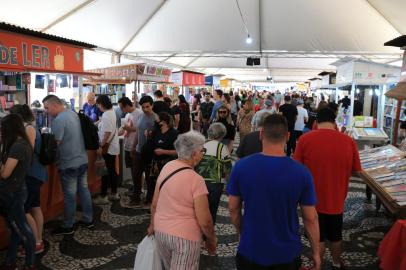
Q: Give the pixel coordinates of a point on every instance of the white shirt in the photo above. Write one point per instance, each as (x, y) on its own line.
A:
(108, 124)
(130, 137)
(211, 149)
(301, 115)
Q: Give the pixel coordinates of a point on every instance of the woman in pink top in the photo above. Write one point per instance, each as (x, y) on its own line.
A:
(180, 212)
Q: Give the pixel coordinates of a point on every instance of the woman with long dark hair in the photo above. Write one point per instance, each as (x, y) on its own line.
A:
(184, 121)
(16, 156)
(195, 111)
(36, 176)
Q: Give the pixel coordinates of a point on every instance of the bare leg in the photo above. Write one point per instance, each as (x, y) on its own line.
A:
(336, 251)
(322, 251)
(33, 226)
(36, 213)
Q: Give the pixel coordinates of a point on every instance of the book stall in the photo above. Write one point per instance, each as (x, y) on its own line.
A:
(384, 172)
(31, 61)
(363, 84)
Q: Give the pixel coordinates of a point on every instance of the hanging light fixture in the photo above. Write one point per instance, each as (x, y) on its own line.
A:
(248, 40)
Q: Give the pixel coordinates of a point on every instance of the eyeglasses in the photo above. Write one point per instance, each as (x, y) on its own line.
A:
(223, 112)
(203, 151)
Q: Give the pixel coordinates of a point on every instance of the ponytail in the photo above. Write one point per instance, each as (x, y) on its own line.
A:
(24, 111)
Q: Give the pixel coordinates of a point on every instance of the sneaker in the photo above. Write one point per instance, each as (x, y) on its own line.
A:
(63, 231)
(88, 225)
(101, 200)
(8, 267)
(114, 197)
(39, 247)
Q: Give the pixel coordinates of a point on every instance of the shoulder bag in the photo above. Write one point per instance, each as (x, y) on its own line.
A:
(172, 174)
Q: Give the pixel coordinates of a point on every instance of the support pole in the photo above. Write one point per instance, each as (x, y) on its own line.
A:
(396, 127)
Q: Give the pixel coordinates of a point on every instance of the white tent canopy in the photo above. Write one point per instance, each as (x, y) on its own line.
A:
(296, 39)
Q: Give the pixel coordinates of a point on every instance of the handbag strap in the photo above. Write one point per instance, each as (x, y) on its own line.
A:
(172, 174)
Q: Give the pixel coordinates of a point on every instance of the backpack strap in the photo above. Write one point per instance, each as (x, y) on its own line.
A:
(172, 174)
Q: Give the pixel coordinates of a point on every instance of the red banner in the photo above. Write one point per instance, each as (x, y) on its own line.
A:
(19, 52)
(190, 79)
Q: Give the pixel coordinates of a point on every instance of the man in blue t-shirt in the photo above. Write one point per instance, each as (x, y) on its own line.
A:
(72, 162)
(217, 94)
(269, 228)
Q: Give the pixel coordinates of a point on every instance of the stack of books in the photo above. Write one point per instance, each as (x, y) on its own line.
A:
(387, 166)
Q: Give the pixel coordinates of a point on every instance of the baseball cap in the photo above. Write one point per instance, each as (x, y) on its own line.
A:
(268, 102)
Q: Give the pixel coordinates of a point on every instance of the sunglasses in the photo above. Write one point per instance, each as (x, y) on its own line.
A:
(223, 112)
(203, 151)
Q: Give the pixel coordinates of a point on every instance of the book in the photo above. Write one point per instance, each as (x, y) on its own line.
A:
(395, 189)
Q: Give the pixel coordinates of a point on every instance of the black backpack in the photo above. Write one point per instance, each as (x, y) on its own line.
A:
(47, 153)
(89, 131)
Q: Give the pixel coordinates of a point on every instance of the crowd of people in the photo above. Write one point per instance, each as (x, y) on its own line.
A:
(290, 155)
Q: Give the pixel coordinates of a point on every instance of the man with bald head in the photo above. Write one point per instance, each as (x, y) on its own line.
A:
(90, 107)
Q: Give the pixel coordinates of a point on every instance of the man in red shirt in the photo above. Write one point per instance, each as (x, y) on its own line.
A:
(331, 157)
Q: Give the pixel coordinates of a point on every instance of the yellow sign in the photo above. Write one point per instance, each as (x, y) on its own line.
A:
(59, 60)
(225, 83)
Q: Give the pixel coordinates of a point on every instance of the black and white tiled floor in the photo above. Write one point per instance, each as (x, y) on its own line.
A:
(113, 242)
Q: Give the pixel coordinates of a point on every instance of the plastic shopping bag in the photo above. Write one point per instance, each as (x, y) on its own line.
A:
(147, 257)
(101, 169)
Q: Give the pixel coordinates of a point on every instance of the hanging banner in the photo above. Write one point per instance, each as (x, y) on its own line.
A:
(19, 52)
(192, 79)
(208, 80)
(225, 83)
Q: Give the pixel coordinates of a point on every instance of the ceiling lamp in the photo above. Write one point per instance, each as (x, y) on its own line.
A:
(248, 40)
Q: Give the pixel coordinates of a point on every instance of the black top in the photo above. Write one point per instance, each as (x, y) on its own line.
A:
(184, 118)
(290, 113)
(229, 127)
(175, 110)
(251, 144)
(20, 150)
(164, 141)
(161, 106)
(346, 101)
(206, 109)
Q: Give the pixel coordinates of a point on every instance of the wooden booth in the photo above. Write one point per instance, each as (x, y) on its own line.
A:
(23, 51)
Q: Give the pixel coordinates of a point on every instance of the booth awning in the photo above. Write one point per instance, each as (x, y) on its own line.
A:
(399, 92)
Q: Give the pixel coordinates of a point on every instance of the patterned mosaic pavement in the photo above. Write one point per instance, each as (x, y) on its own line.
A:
(113, 242)
(119, 228)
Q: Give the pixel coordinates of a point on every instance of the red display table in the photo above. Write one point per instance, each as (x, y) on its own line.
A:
(52, 196)
(392, 250)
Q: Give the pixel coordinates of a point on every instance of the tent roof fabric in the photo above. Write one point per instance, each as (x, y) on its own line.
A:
(209, 34)
(25, 31)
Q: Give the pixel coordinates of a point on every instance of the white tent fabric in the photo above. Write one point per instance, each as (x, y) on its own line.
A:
(201, 34)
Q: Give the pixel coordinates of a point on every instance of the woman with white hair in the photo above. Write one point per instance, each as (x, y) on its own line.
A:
(180, 211)
(215, 165)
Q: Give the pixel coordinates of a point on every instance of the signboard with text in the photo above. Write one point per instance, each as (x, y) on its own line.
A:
(188, 78)
(24, 53)
(139, 72)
